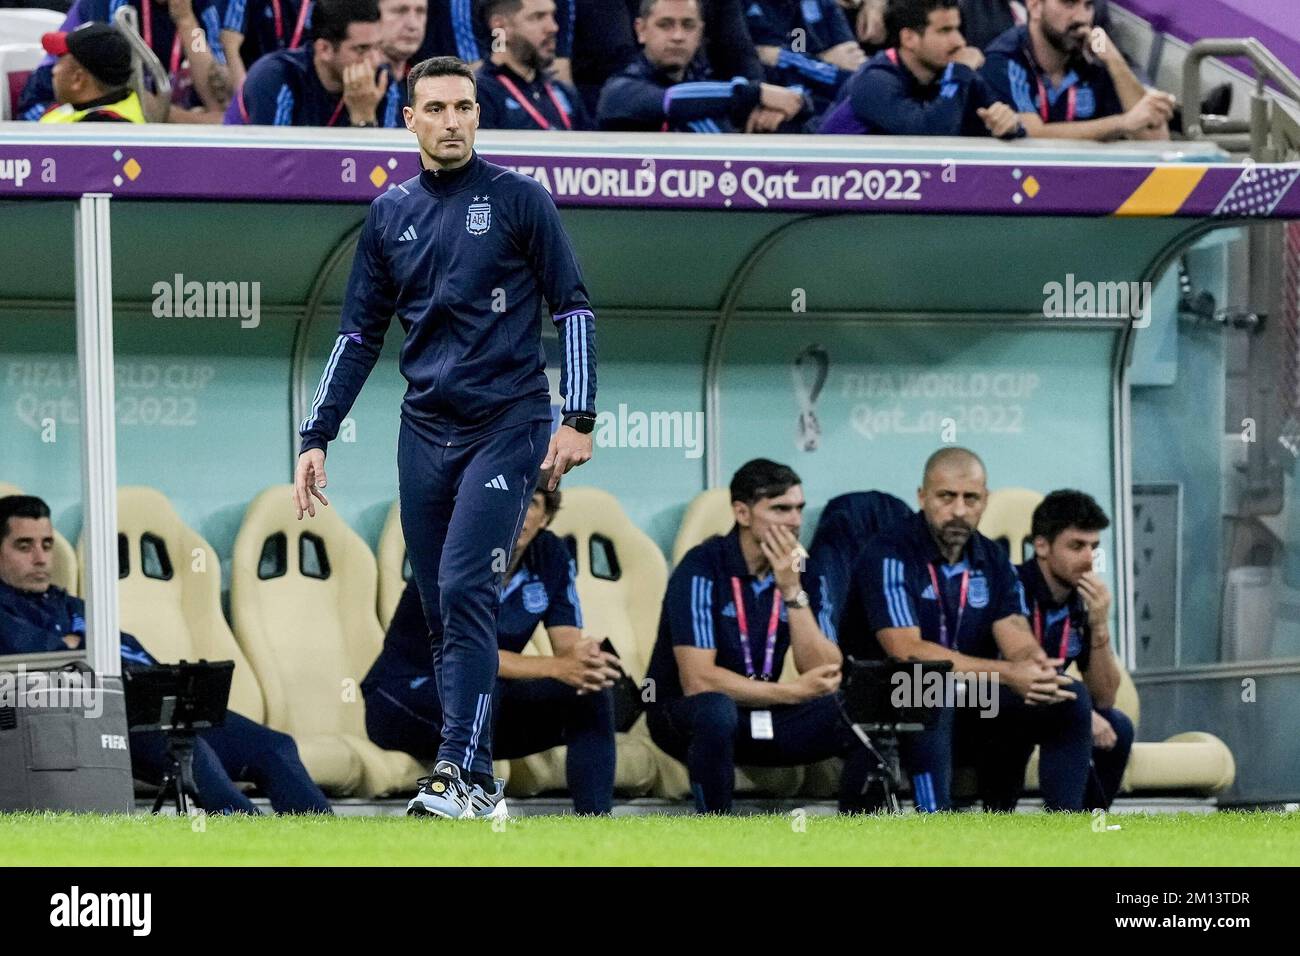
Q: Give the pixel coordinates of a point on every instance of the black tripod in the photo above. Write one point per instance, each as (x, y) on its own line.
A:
(884, 777)
(178, 781)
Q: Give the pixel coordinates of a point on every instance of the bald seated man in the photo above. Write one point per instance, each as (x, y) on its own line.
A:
(932, 588)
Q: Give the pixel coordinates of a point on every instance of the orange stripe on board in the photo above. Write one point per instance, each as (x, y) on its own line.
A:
(1163, 192)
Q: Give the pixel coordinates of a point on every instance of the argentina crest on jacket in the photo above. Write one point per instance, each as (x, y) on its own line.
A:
(478, 219)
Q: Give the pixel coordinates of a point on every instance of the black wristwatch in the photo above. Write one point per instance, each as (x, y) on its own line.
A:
(580, 422)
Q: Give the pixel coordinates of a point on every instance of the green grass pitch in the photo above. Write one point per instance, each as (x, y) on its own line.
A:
(966, 839)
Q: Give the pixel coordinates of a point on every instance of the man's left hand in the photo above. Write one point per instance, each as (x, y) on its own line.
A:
(569, 448)
(1103, 734)
(1097, 596)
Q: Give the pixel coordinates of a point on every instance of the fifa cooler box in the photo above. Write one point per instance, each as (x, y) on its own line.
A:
(63, 737)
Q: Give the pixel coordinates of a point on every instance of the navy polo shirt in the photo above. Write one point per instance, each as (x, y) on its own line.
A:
(1049, 615)
(699, 610)
(884, 97)
(266, 25)
(1016, 78)
(773, 22)
(282, 89)
(500, 109)
(35, 623)
(541, 590)
(892, 588)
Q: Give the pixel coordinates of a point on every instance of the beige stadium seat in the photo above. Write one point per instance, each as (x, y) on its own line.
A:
(169, 592)
(63, 574)
(1191, 762)
(1008, 518)
(710, 513)
(621, 581)
(391, 558)
(302, 595)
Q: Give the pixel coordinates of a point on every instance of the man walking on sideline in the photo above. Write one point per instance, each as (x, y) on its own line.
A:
(465, 254)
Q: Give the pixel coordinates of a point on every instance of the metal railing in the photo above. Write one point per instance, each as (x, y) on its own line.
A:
(1270, 135)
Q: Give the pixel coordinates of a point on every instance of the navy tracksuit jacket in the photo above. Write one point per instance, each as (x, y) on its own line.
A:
(642, 97)
(466, 259)
(240, 749)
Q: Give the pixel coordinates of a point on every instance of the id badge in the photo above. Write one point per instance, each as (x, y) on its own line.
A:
(760, 725)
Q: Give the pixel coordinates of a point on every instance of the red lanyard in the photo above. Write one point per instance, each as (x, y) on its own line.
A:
(1045, 111)
(297, 30)
(1065, 631)
(531, 110)
(145, 7)
(337, 110)
(943, 617)
(893, 55)
(742, 620)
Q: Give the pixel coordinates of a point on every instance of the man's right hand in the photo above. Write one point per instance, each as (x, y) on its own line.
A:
(969, 56)
(818, 682)
(1038, 682)
(783, 99)
(308, 479)
(1000, 119)
(587, 667)
(1151, 112)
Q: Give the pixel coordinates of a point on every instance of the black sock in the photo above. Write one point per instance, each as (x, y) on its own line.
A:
(484, 780)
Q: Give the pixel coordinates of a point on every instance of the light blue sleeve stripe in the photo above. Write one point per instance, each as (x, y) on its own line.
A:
(1020, 88)
(234, 18)
(896, 595)
(826, 616)
(212, 27)
(462, 25)
(702, 611)
(324, 385)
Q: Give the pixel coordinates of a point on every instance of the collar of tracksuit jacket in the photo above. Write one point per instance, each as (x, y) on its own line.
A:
(448, 182)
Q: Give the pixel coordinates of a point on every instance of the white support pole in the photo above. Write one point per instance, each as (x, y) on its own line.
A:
(98, 431)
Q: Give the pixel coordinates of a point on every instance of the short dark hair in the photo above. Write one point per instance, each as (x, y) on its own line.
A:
(1067, 508)
(550, 500)
(438, 66)
(330, 18)
(20, 506)
(912, 14)
(762, 478)
(487, 9)
(647, 5)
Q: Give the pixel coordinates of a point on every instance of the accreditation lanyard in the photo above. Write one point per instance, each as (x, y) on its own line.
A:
(943, 616)
(146, 8)
(297, 30)
(531, 110)
(1044, 110)
(742, 621)
(1065, 631)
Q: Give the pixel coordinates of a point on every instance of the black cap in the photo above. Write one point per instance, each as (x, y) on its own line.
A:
(100, 48)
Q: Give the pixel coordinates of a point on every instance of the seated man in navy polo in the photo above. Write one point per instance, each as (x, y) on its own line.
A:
(515, 86)
(734, 606)
(541, 702)
(923, 85)
(932, 588)
(667, 86)
(36, 616)
(336, 80)
(251, 29)
(805, 43)
(1069, 609)
(1068, 80)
